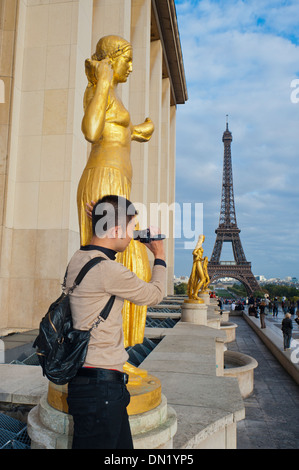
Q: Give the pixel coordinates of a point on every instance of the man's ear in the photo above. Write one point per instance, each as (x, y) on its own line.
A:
(112, 232)
(121, 231)
(116, 232)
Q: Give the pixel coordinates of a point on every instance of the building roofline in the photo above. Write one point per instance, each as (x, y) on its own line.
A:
(167, 25)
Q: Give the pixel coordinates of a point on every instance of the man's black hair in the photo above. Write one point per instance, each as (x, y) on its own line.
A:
(111, 211)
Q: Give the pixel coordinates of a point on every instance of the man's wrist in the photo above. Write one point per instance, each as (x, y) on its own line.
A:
(160, 262)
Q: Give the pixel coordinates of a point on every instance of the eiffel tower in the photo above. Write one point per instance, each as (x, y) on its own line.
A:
(228, 230)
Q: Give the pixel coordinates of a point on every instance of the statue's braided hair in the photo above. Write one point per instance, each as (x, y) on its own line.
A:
(111, 47)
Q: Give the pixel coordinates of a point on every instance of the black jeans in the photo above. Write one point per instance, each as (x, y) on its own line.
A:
(99, 413)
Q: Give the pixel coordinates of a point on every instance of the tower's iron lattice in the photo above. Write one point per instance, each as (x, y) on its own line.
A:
(228, 230)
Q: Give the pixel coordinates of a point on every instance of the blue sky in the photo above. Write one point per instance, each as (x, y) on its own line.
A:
(241, 58)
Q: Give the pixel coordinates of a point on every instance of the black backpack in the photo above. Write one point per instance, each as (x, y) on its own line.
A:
(61, 349)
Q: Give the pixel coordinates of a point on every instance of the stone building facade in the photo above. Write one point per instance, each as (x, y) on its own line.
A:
(43, 46)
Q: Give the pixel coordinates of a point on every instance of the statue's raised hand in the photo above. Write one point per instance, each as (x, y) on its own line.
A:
(104, 71)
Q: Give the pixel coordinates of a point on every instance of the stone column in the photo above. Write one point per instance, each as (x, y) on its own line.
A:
(154, 161)
(171, 198)
(165, 152)
(140, 93)
(8, 16)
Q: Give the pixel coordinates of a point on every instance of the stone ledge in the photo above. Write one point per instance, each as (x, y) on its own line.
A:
(230, 330)
(22, 384)
(200, 429)
(184, 328)
(242, 368)
(240, 360)
(163, 315)
(185, 362)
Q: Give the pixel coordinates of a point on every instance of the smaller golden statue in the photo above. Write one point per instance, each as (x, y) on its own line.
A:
(199, 279)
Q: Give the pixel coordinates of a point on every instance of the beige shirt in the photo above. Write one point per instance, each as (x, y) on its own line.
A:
(106, 346)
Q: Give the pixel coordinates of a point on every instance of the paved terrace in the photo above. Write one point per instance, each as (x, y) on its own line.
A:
(272, 411)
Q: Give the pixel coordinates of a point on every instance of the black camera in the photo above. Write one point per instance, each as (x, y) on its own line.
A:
(144, 236)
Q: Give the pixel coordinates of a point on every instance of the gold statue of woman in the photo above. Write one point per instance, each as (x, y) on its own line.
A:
(199, 278)
(107, 126)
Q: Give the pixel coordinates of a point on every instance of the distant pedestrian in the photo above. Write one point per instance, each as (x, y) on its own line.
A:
(285, 307)
(275, 307)
(287, 326)
(270, 306)
(262, 307)
(297, 317)
(252, 311)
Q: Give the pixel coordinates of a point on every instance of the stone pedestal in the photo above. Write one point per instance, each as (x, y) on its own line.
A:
(206, 298)
(49, 428)
(153, 423)
(194, 312)
(145, 395)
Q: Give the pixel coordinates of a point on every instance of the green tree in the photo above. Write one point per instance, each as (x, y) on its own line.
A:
(260, 293)
(290, 292)
(180, 289)
(239, 290)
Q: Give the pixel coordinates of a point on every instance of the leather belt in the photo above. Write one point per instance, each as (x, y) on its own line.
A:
(103, 374)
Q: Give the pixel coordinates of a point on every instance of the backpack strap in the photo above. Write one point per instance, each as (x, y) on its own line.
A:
(106, 310)
(92, 262)
(104, 313)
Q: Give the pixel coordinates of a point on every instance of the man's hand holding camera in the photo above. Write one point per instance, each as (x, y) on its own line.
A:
(156, 246)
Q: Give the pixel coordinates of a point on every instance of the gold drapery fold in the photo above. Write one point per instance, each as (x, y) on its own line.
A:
(94, 184)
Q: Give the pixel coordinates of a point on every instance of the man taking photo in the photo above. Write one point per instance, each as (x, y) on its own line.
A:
(98, 396)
